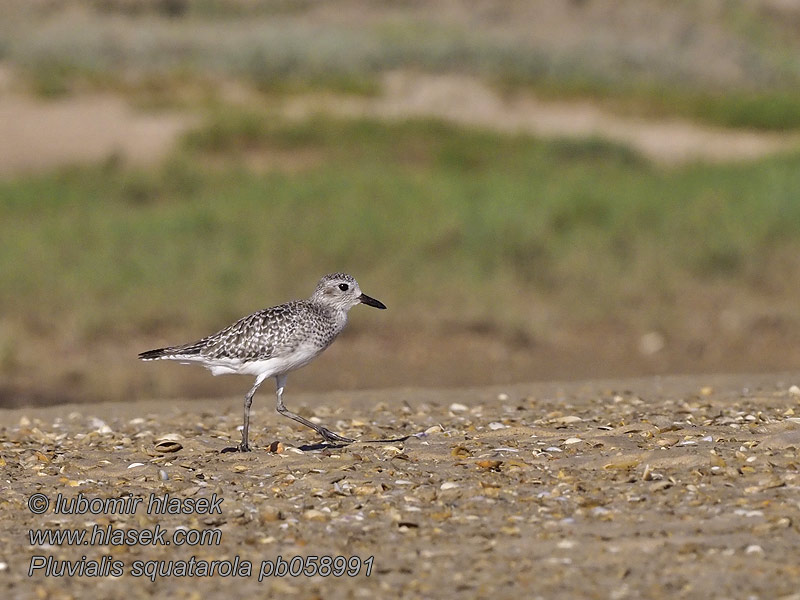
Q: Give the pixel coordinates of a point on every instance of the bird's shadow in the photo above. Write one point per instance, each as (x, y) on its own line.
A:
(331, 445)
(337, 445)
(386, 441)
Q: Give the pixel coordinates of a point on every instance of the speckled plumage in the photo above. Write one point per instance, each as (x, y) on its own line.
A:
(269, 333)
(274, 341)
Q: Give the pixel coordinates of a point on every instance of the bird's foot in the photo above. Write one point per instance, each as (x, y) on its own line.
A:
(330, 436)
(244, 447)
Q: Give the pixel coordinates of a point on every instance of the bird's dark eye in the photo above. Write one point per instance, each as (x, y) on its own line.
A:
(344, 287)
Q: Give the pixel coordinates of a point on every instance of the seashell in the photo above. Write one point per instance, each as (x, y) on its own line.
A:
(489, 465)
(623, 464)
(460, 452)
(168, 443)
(660, 485)
(100, 426)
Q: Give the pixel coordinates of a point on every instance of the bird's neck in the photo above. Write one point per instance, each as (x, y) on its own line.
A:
(334, 313)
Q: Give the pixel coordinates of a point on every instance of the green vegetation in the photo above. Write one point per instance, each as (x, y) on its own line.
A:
(776, 109)
(453, 222)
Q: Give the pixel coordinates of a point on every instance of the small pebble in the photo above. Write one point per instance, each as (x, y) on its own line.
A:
(651, 343)
(315, 515)
(269, 514)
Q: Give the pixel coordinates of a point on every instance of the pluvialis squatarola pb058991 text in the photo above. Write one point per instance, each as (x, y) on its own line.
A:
(274, 341)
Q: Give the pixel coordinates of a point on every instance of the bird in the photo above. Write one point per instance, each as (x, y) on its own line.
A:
(275, 341)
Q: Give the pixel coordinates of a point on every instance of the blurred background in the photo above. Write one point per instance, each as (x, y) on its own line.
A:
(551, 189)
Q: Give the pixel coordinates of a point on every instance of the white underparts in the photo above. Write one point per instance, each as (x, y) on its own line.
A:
(259, 368)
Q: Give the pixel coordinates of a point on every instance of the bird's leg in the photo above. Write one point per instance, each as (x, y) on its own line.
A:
(244, 446)
(327, 434)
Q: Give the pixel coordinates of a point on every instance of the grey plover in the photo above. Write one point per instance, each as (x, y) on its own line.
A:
(274, 341)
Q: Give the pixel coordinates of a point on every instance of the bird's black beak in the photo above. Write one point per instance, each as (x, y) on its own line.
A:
(371, 301)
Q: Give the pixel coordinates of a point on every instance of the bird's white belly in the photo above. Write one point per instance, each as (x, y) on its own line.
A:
(265, 368)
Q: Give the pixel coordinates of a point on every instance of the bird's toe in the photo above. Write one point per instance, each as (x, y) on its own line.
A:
(330, 436)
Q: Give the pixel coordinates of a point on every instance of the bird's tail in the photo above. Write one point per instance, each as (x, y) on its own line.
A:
(155, 354)
(171, 352)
